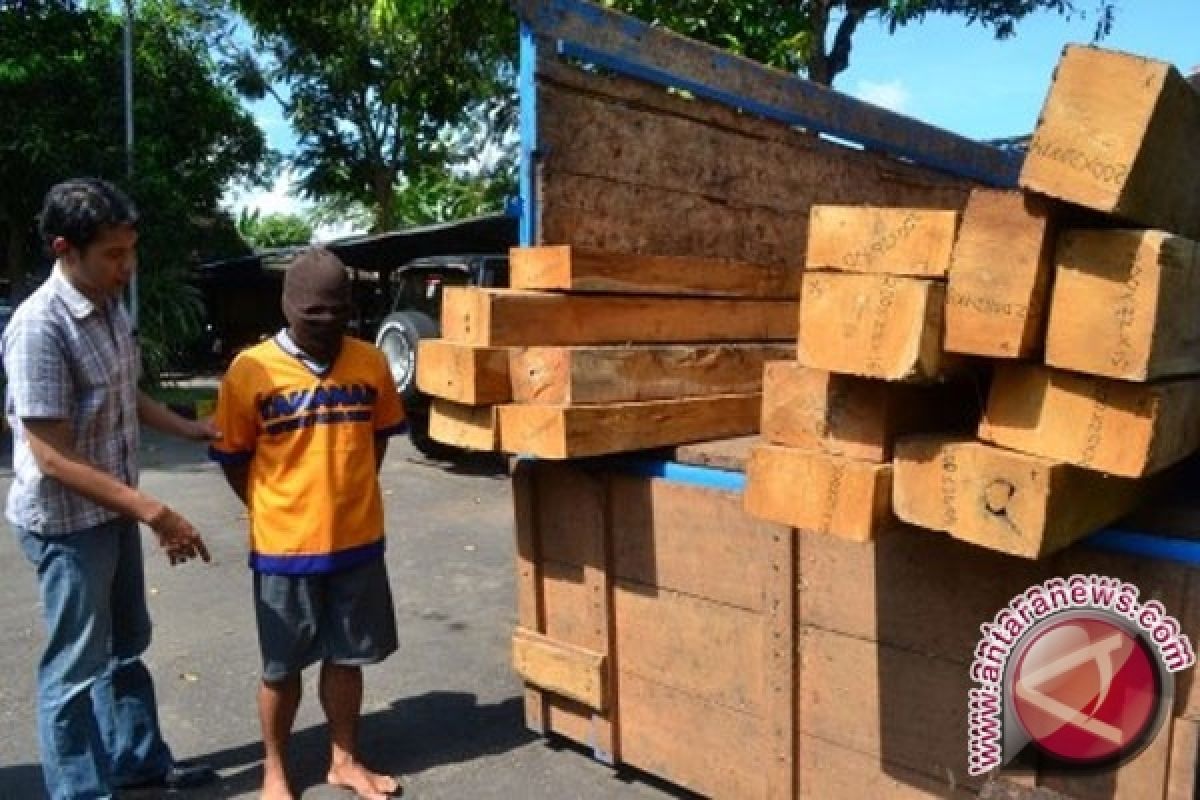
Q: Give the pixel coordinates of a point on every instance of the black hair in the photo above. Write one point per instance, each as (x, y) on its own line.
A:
(79, 210)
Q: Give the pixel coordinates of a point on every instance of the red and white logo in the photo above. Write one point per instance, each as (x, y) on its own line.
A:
(1086, 689)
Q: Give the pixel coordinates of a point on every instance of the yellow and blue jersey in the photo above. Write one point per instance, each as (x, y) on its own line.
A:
(309, 438)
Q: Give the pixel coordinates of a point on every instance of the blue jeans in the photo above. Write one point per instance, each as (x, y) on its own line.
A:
(97, 716)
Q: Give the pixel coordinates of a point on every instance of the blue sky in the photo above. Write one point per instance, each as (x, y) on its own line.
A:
(941, 71)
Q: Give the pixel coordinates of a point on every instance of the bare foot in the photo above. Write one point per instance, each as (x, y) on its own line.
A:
(275, 787)
(363, 782)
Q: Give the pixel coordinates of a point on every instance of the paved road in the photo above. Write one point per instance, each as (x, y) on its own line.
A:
(444, 711)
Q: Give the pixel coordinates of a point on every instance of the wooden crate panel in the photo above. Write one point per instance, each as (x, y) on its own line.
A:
(706, 748)
(903, 708)
(829, 771)
(670, 535)
(710, 650)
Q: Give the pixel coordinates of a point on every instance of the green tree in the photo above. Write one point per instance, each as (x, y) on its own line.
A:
(815, 36)
(262, 231)
(380, 89)
(61, 115)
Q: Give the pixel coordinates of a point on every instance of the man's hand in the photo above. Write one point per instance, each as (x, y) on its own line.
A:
(201, 430)
(177, 537)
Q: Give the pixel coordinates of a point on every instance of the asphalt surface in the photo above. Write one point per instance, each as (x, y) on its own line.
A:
(444, 712)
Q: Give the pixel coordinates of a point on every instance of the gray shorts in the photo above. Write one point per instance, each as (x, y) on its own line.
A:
(341, 617)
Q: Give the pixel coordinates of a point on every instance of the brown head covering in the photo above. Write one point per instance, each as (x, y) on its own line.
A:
(316, 303)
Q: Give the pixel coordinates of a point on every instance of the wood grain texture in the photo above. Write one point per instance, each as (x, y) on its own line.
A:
(875, 326)
(1000, 271)
(706, 181)
(619, 374)
(466, 427)
(473, 376)
(507, 317)
(577, 431)
(868, 239)
(1011, 502)
(845, 415)
(574, 672)
(813, 491)
(1125, 429)
(1126, 304)
(1117, 134)
(583, 269)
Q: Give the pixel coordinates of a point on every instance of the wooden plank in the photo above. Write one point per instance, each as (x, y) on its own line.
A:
(1125, 429)
(1011, 502)
(707, 748)
(530, 611)
(473, 376)
(876, 326)
(1000, 274)
(578, 431)
(1117, 134)
(832, 772)
(508, 317)
(909, 588)
(571, 511)
(894, 241)
(779, 659)
(1184, 762)
(617, 41)
(845, 415)
(823, 493)
(1125, 305)
(564, 669)
(900, 707)
(585, 269)
(706, 180)
(669, 535)
(565, 604)
(707, 649)
(468, 427)
(621, 374)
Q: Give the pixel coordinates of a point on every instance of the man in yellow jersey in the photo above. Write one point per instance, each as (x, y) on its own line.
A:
(305, 418)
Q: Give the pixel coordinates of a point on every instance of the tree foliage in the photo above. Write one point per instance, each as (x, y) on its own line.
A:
(62, 116)
(815, 36)
(262, 231)
(378, 89)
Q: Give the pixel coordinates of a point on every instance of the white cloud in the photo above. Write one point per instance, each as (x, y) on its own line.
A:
(888, 94)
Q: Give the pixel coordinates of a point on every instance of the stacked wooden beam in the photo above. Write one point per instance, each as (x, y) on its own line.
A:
(1091, 330)
(591, 353)
(870, 367)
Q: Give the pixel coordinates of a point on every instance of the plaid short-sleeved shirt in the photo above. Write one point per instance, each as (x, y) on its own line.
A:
(67, 359)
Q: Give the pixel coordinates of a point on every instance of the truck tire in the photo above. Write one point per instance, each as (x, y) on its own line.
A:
(398, 336)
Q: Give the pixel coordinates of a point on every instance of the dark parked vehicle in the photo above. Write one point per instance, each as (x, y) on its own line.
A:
(415, 314)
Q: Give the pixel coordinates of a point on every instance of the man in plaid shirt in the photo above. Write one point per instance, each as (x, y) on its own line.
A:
(74, 406)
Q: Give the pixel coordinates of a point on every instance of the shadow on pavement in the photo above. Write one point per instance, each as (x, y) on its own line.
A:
(415, 734)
